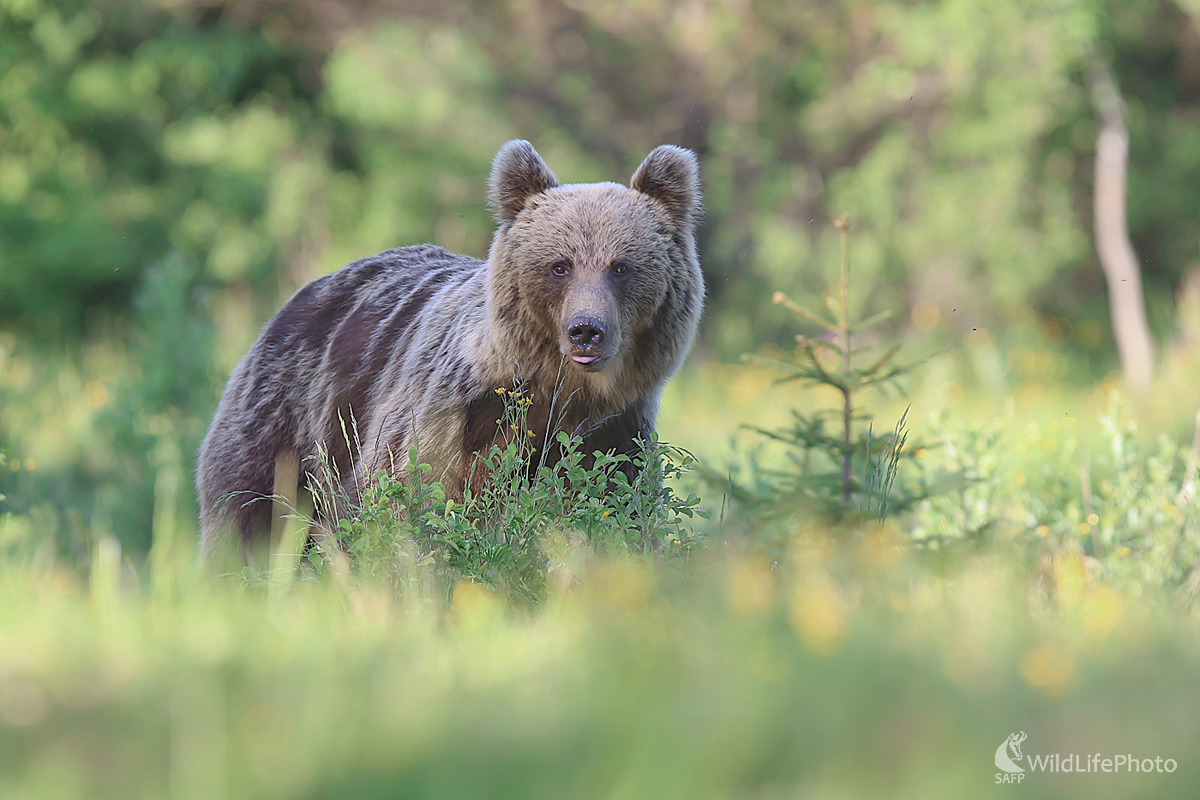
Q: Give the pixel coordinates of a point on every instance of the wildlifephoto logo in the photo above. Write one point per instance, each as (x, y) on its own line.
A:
(1009, 753)
(1007, 762)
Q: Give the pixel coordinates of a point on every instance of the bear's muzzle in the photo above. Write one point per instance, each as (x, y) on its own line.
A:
(586, 339)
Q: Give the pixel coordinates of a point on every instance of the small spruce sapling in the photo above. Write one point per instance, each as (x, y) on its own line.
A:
(825, 445)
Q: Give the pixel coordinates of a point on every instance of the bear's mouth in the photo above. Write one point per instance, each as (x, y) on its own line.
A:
(587, 360)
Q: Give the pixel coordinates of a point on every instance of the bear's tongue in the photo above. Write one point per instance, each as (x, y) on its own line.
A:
(584, 359)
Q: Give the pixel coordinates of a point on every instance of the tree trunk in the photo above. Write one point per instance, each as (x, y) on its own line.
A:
(1121, 269)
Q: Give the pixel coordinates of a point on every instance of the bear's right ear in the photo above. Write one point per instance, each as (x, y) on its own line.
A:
(518, 173)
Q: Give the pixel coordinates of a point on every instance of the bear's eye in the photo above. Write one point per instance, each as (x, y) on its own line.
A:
(560, 267)
(620, 268)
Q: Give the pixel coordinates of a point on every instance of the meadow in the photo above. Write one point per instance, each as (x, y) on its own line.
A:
(1043, 582)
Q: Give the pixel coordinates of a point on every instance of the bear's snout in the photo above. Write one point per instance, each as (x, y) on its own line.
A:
(586, 339)
(586, 332)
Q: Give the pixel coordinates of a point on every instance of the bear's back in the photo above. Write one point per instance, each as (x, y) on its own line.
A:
(315, 374)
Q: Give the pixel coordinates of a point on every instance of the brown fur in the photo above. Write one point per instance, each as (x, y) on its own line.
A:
(590, 298)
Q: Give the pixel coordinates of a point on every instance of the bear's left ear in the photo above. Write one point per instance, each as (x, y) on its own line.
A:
(671, 176)
(518, 173)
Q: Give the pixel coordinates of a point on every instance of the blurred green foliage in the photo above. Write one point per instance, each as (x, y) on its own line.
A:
(845, 669)
(268, 144)
(129, 132)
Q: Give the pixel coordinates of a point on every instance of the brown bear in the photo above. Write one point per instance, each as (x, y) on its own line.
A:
(589, 299)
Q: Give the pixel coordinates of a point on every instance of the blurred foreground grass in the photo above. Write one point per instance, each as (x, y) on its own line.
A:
(1051, 590)
(849, 668)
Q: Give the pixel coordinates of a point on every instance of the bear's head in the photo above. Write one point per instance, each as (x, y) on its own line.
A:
(597, 275)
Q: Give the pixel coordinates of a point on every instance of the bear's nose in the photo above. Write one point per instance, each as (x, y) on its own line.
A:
(586, 331)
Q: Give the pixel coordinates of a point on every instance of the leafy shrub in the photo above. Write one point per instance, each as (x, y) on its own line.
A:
(1120, 505)
(526, 521)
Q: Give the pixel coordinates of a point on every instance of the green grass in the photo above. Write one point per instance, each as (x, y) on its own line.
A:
(850, 669)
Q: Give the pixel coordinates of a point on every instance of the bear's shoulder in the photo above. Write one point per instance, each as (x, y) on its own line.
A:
(415, 259)
(390, 272)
